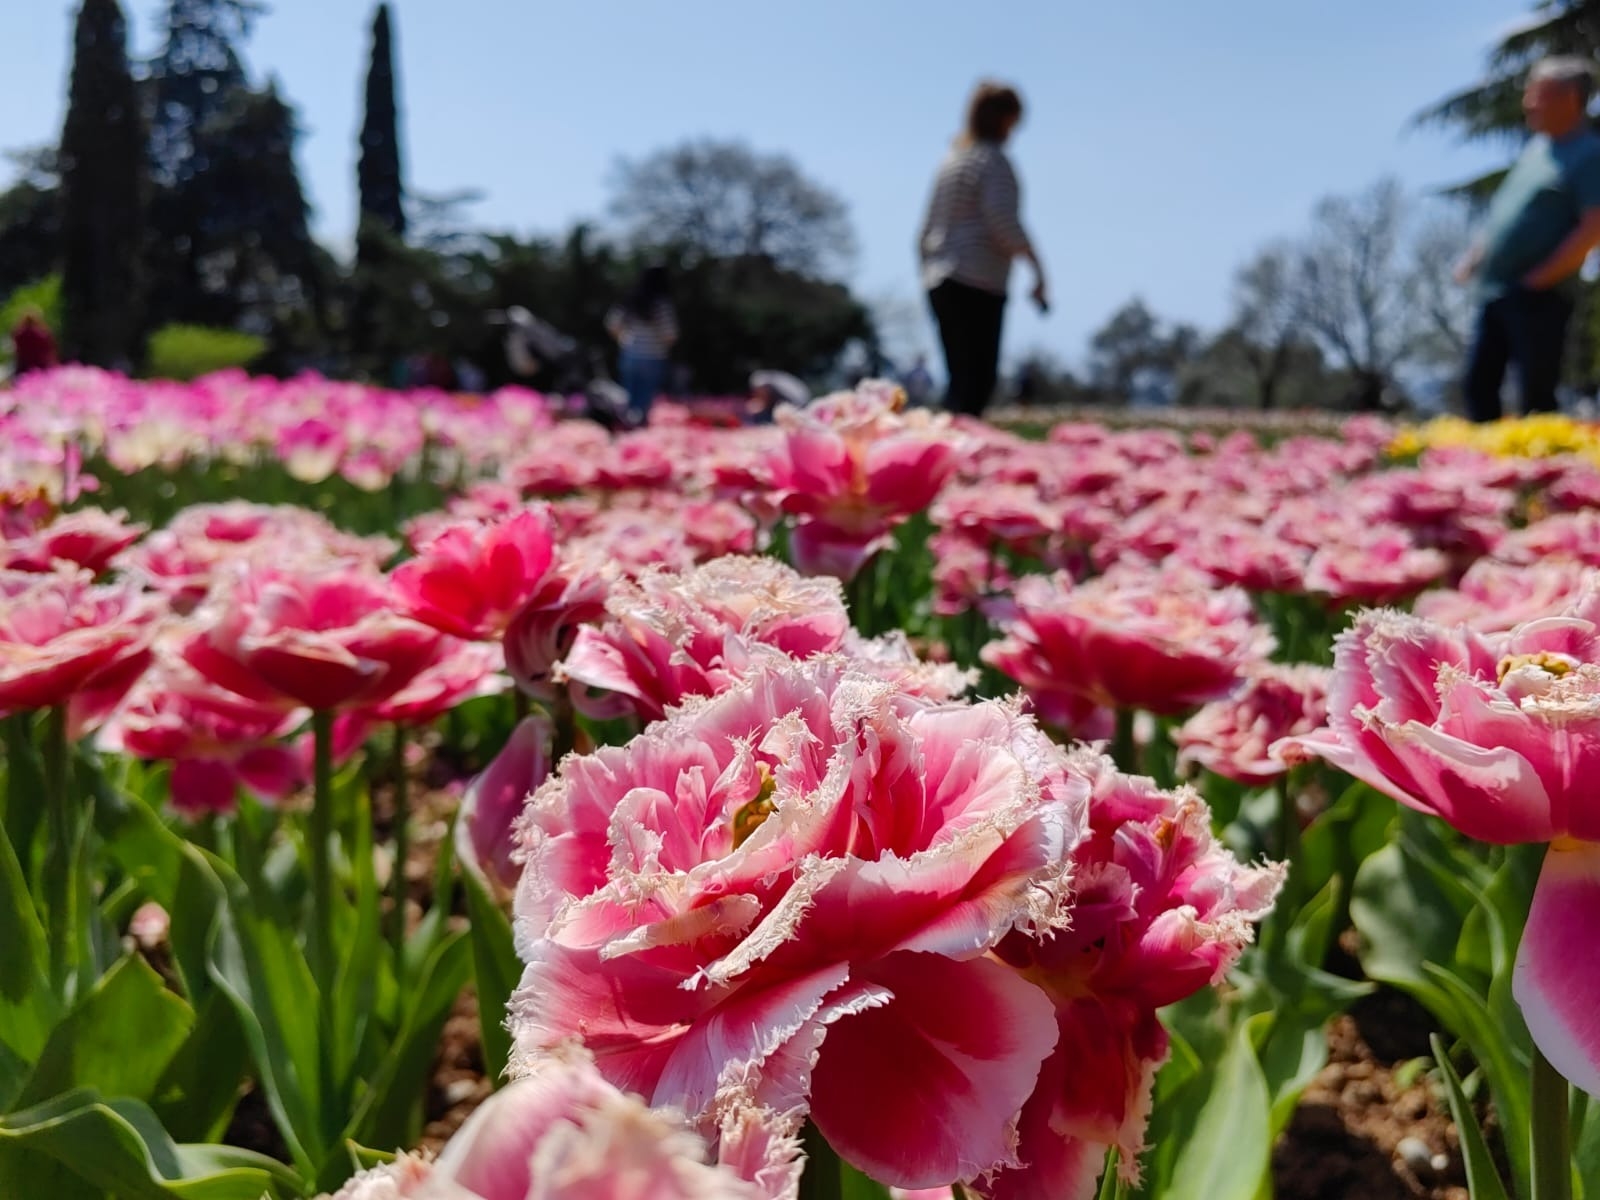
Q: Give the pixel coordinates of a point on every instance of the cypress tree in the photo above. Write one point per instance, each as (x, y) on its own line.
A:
(378, 172)
(103, 176)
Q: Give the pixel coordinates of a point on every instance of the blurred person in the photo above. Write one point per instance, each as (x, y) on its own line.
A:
(1541, 225)
(972, 231)
(768, 389)
(917, 382)
(645, 327)
(33, 345)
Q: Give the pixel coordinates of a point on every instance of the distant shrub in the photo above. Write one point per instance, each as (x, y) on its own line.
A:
(190, 351)
(43, 295)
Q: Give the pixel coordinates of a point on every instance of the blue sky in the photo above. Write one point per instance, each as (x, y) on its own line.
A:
(1165, 138)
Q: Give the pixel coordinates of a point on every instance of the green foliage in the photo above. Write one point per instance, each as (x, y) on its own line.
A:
(496, 973)
(79, 1146)
(190, 351)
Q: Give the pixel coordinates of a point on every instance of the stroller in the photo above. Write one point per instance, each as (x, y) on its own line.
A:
(534, 347)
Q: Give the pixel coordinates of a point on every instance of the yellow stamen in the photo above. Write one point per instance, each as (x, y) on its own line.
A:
(748, 817)
(1566, 845)
(1549, 663)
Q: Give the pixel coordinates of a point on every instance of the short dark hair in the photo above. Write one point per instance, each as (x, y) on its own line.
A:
(992, 107)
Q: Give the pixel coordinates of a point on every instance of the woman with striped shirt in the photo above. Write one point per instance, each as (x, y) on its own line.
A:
(645, 328)
(971, 233)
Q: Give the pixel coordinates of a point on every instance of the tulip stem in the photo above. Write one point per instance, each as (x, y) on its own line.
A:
(61, 884)
(1548, 1135)
(1288, 820)
(1124, 747)
(402, 850)
(820, 1180)
(320, 832)
(564, 725)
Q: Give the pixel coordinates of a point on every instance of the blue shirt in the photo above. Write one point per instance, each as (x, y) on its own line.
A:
(1537, 206)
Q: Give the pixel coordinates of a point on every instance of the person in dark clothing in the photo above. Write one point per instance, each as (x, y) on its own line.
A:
(33, 345)
(1541, 226)
(970, 235)
(645, 327)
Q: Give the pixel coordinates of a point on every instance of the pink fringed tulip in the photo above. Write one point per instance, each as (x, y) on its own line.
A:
(571, 595)
(215, 742)
(564, 1133)
(63, 639)
(1500, 736)
(1160, 910)
(472, 578)
(1159, 643)
(325, 637)
(1232, 737)
(852, 468)
(670, 635)
(784, 893)
(88, 538)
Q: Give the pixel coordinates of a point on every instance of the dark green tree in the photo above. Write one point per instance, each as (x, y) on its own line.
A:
(378, 172)
(194, 78)
(725, 200)
(102, 163)
(30, 220)
(243, 253)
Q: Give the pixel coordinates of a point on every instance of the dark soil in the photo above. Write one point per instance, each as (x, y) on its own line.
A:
(458, 1085)
(1345, 1138)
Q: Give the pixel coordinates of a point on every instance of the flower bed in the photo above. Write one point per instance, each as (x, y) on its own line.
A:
(867, 800)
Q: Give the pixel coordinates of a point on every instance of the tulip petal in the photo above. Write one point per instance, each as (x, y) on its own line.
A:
(925, 1090)
(1557, 978)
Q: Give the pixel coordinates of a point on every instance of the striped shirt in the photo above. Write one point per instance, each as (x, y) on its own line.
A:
(648, 337)
(972, 230)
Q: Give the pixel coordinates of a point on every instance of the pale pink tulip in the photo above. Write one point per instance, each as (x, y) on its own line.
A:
(1011, 514)
(784, 893)
(564, 1133)
(1498, 734)
(1160, 911)
(1163, 643)
(1232, 737)
(966, 572)
(495, 799)
(470, 579)
(1494, 596)
(183, 560)
(1247, 556)
(1570, 536)
(1383, 568)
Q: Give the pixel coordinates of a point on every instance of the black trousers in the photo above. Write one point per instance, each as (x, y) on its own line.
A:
(1525, 328)
(969, 329)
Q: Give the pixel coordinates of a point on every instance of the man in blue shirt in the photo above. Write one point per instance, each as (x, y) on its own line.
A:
(1541, 226)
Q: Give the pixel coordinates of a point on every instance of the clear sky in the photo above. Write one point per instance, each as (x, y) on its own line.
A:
(1165, 139)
